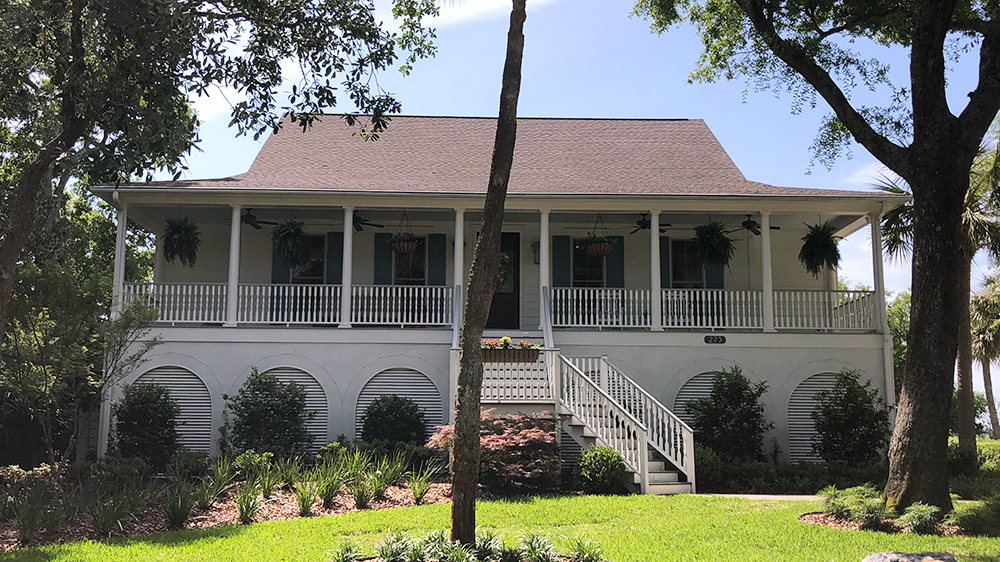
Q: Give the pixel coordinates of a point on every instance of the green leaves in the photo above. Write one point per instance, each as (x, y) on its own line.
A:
(181, 240)
(819, 248)
(713, 244)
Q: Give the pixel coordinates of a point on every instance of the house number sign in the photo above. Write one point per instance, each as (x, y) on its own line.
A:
(715, 339)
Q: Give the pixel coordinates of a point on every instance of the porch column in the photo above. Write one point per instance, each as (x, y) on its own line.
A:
(346, 270)
(233, 290)
(878, 274)
(655, 283)
(544, 261)
(118, 278)
(766, 283)
(458, 277)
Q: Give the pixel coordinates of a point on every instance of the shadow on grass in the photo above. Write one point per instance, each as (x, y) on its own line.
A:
(168, 538)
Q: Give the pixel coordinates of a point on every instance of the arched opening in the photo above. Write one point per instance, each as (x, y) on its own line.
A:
(801, 426)
(408, 383)
(194, 423)
(315, 402)
(696, 388)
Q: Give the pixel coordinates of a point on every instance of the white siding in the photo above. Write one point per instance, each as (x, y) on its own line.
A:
(801, 426)
(194, 424)
(407, 383)
(315, 401)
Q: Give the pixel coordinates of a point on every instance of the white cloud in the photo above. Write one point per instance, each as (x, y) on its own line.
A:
(868, 175)
(458, 12)
(218, 101)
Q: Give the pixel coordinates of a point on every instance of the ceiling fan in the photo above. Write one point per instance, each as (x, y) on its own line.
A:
(752, 225)
(360, 222)
(251, 219)
(645, 224)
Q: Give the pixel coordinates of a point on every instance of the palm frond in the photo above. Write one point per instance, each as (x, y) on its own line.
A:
(897, 224)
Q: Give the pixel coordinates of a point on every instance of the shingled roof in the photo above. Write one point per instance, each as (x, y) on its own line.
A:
(452, 155)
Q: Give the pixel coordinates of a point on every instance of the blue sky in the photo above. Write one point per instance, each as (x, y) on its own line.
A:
(591, 58)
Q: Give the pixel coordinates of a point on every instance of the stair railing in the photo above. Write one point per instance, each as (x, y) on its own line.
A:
(613, 425)
(668, 434)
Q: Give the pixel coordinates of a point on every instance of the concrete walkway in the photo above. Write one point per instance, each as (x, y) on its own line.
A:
(768, 497)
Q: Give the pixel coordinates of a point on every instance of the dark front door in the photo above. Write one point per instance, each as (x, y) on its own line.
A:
(506, 307)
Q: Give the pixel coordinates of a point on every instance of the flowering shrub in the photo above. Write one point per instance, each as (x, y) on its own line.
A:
(519, 453)
(506, 343)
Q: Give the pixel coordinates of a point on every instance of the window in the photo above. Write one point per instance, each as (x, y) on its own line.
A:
(411, 269)
(311, 272)
(686, 271)
(588, 270)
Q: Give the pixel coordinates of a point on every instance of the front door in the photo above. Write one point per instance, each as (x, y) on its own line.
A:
(506, 307)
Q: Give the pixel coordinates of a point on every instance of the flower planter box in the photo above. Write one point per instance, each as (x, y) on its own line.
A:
(510, 355)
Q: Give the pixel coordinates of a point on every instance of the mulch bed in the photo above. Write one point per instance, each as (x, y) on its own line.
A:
(279, 507)
(887, 526)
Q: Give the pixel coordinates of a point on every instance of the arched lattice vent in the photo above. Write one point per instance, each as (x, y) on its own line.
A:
(801, 426)
(696, 388)
(194, 424)
(315, 401)
(402, 382)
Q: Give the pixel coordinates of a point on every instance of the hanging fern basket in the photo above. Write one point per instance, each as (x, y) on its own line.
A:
(713, 244)
(404, 241)
(181, 239)
(819, 248)
(289, 241)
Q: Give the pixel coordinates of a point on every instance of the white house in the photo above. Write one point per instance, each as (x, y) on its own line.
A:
(628, 337)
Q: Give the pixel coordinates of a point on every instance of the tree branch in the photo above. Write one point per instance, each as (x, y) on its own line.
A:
(855, 22)
(984, 101)
(982, 27)
(891, 154)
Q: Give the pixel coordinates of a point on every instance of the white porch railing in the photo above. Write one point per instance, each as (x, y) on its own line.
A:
(402, 305)
(180, 302)
(825, 310)
(519, 382)
(613, 425)
(667, 433)
(589, 307)
(712, 308)
(288, 304)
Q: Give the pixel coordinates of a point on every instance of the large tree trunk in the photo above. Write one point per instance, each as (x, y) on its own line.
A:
(482, 281)
(966, 397)
(918, 452)
(991, 403)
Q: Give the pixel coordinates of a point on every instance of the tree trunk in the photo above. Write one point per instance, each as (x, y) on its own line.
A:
(482, 281)
(991, 403)
(918, 452)
(966, 397)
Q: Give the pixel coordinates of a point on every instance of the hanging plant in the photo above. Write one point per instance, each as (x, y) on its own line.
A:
(181, 241)
(289, 242)
(404, 241)
(819, 248)
(598, 243)
(713, 244)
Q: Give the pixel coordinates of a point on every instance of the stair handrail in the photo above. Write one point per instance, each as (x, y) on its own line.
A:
(668, 434)
(547, 319)
(613, 425)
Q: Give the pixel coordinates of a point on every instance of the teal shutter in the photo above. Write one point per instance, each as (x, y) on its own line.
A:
(562, 252)
(614, 263)
(383, 259)
(437, 252)
(334, 258)
(664, 262)
(714, 275)
(281, 272)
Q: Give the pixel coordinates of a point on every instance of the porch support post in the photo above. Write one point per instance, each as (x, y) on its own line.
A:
(118, 278)
(766, 282)
(655, 283)
(233, 289)
(878, 273)
(346, 270)
(544, 262)
(459, 261)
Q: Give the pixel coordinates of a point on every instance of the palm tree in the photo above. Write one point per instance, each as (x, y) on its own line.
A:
(985, 310)
(979, 229)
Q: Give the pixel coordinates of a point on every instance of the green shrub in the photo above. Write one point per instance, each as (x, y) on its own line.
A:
(248, 502)
(862, 504)
(394, 419)
(488, 544)
(975, 487)
(587, 551)
(600, 470)
(981, 518)
(393, 548)
(305, 495)
(920, 518)
(420, 482)
(708, 470)
(537, 548)
(362, 490)
(146, 424)
(852, 421)
(29, 513)
(731, 422)
(329, 481)
(177, 505)
(268, 415)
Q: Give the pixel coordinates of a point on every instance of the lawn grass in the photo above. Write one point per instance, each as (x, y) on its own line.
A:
(628, 528)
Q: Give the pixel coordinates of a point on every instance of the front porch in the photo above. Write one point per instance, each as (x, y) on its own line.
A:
(569, 307)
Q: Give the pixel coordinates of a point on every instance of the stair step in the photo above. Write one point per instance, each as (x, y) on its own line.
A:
(656, 466)
(665, 489)
(664, 477)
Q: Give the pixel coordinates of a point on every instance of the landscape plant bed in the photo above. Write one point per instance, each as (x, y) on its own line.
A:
(281, 506)
(887, 526)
